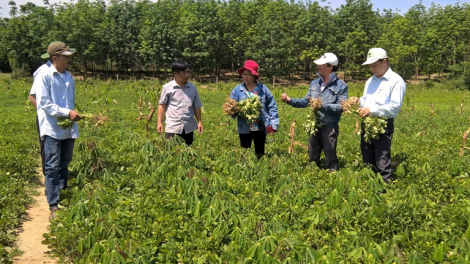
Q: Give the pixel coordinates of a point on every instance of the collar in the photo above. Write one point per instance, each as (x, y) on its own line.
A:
(52, 70)
(333, 78)
(174, 84)
(386, 75)
(243, 88)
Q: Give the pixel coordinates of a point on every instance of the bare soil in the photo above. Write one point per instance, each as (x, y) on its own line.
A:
(30, 234)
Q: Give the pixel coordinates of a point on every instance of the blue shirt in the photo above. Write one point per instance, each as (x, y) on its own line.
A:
(333, 93)
(268, 115)
(384, 95)
(55, 97)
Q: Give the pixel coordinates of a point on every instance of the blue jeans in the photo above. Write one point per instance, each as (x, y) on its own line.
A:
(58, 155)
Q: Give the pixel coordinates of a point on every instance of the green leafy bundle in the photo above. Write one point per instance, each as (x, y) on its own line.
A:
(250, 108)
(373, 126)
(65, 122)
(313, 119)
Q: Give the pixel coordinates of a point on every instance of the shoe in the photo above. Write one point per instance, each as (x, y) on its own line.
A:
(53, 215)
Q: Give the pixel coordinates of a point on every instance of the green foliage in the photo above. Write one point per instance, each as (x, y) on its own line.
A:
(218, 36)
(135, 197)
(65, 122)
(18, 146)
(250, 108)
(466, 80)
(373, 127)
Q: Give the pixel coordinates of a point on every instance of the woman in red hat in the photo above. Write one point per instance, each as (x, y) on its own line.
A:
(268, 119)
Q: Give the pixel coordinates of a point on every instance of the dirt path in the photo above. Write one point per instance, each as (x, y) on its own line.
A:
(30, 236)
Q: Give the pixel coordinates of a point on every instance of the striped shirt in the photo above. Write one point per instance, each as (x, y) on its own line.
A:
(180, 104)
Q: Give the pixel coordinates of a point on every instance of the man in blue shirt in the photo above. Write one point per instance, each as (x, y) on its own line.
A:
(332, 92)
(55, 98)
(383, 97)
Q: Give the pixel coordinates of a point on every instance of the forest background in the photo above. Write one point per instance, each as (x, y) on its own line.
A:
(141, 39)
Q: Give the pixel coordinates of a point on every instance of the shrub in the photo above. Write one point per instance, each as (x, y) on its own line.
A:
(466, 80)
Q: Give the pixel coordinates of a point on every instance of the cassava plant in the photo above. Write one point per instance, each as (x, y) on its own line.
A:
(373, 126)
(313, 119)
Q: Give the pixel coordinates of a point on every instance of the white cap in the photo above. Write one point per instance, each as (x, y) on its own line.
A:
(327, 58)
(374, 55)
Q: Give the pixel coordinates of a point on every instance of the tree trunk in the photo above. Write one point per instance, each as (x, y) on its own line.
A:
(416, 68)
(86, 70)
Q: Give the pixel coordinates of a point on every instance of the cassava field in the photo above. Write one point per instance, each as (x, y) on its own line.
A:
(136, 198)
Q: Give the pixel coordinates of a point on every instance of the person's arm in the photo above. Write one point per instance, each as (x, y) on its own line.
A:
(197, 113)
(197, 104)
(43, 84)
(233, 95)
(272, 110)
(32, 99)
(301, 102)
(363, 98)
(160, 117)
(162, 105)
(336, 107)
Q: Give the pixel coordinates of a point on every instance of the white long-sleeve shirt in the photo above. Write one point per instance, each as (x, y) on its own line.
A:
(45, 66)
(55, 96)
(384, 95)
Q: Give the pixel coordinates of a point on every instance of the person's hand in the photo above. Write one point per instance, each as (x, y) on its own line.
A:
(75, 116)
(200, 128)
(355, 99)
(364, 111)
(285, 98)
(160, 128)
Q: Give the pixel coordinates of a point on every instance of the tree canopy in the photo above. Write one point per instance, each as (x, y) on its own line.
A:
(215, 36)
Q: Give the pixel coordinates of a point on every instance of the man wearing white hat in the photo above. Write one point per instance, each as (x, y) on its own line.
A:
(55, 98)
(332, 92)
(383, 97)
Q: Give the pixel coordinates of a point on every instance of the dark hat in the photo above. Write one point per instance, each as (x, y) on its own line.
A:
(57, 47)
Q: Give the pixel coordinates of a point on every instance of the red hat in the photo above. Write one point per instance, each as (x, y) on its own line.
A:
(251, 66)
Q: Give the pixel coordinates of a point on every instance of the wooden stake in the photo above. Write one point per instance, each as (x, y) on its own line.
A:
(432, 107)
(465, 135)
(217, 81)
(274, 80)
(291, 133)
(461, 107)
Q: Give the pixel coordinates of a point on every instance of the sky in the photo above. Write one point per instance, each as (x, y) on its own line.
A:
(399, 6)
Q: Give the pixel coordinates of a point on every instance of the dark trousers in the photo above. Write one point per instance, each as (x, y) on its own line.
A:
(258, 138)
(188, 138)
(325, 139)
(41, 145)
(378, 153)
